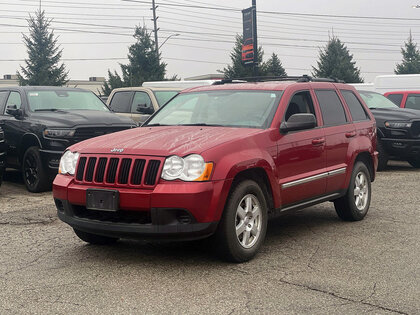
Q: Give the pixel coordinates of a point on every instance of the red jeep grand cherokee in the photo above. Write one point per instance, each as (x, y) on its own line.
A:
(220, 160)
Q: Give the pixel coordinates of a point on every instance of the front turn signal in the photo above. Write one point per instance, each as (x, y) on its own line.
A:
(206, 174)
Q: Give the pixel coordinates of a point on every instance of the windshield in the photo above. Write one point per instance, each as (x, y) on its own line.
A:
(376, 100)
(51, 100)
(237, 108)
(163, 97)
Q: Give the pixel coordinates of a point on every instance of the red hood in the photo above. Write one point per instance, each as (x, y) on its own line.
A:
(163, 141)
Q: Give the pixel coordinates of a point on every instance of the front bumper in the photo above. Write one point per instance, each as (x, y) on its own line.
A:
(402, 148)
(174, 211)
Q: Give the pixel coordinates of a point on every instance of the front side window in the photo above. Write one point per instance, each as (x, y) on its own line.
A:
(301, 103)
(413, 102)
(332, 110)
(141, 100)
(64, 100)
(13, 100)
(238, 108)
(396, 98)
(356, 108)
(121, 102)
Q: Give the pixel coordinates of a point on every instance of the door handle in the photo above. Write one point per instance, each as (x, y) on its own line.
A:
(351, 134)
(318, 141)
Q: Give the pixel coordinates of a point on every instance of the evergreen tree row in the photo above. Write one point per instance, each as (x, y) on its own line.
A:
(43, 66)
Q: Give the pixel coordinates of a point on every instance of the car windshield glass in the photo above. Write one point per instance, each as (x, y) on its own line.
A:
(163, 97)
(64, 100)
(376, 100)
(236, 108)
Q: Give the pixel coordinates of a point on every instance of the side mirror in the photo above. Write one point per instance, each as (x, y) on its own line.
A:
(13, 110)
(298, 122)
(145, 109)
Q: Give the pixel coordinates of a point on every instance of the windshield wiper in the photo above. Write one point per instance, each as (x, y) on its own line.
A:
(154, 125)
(201, 124)
(49, 110)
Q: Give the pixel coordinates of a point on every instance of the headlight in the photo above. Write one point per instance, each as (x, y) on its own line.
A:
(398, 124)
(190, 168)
(68, 163)
(59, 133)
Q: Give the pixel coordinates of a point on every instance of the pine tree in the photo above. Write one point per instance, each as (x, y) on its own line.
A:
(238, 69)
(273, 67)
(42, 66)
(335, 61)
(144, 64)
(411, 58)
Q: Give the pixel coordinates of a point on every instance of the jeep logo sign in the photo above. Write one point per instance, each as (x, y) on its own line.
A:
(115, 150)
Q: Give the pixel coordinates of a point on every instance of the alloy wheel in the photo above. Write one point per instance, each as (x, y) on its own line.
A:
(248, 221)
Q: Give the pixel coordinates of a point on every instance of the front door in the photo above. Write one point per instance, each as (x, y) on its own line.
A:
(301, 156)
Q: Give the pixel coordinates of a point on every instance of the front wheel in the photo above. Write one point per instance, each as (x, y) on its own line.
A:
(242, 229)
(354, 205)
(94, 239)
(34, 175)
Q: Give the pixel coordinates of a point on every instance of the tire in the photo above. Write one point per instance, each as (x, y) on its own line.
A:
(245, 210)
(353, 206)
(383, 156)
(95, 239)
(34, 175)
(414, 162)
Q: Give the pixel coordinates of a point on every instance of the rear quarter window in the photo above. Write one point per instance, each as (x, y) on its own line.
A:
(357, 111)
(332, 110)
(3, 97)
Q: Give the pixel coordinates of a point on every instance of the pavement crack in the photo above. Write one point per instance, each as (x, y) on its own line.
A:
(344, 298)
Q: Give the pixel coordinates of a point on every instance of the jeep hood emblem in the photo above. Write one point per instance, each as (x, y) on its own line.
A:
(115, 150)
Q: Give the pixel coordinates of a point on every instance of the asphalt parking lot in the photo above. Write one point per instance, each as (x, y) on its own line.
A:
(311, 262)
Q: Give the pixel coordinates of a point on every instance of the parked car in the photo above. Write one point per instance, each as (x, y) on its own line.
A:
(405, 99)
(2, 155)
(398, 130)
(138, 103)
(39, 123)
(219, 160)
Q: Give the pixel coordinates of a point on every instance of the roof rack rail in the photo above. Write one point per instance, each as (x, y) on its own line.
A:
(303, 78)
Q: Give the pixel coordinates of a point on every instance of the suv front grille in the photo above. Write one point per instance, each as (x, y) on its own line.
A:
(131, 171)
(415, 129)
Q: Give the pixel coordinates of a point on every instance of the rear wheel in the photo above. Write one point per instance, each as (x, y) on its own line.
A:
(383, 157)
(95, 239)
(34, 175)
(414, 162)
(242, 229)
(355, 204)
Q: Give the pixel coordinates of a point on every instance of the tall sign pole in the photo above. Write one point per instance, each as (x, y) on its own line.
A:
(155, 18)
(254, 18)
(250, 45)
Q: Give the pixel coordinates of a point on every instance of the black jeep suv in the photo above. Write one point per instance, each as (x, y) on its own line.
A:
(398, 130)
(39, 123)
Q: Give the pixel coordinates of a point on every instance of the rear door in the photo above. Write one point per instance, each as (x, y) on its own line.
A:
(338, 131)
(301, 155)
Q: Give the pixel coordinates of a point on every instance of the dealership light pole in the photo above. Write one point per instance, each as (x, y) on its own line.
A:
(254, 6)
(155, 18)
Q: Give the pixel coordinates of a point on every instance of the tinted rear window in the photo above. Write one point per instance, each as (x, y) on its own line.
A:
(3, 96)
(121, 102)
(332, 110)
(396, 98)
(356, 108)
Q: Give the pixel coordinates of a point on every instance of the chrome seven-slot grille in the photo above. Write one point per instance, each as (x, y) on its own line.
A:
(126, 171)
